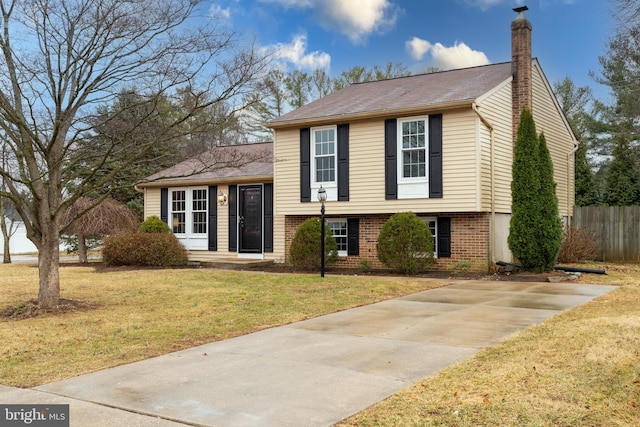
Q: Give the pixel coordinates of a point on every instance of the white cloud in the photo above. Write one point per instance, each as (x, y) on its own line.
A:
(216, 11)
(295, 53)
(417, 48)
(484, 4)
(457, 56)
(356, 19)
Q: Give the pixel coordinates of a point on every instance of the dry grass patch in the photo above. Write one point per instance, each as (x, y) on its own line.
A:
(144, 313)
(579, 368)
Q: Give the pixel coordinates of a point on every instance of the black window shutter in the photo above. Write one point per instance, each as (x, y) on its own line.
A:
(444, 237)
(268, 217)
(213, 218)
(353, 236)
(164, 205)
(233, 218)
(390, 159)
(343, 162)
(305, 165)
(435, 156)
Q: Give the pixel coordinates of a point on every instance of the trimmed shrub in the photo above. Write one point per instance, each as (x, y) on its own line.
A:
(578, 245)
(305, 247)
(153, 224)
(405, 244)
(143, 249)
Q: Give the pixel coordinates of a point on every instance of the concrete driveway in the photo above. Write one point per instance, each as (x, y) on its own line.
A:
(316, 372)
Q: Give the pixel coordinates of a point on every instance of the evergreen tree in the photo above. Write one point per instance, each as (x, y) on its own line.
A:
(621, 73)
(525, 190)
(574, 102)
(535, 232)
(622, 179)
(550, 229)
(586, 186)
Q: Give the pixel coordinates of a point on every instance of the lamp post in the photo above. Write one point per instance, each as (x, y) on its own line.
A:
(322, 197)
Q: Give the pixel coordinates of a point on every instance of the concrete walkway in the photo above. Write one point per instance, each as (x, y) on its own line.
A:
(312, 373)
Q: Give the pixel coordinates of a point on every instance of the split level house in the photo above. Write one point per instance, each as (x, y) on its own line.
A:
(439, 145)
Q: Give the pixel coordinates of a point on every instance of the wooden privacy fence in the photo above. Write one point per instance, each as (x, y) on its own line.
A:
(616, 230)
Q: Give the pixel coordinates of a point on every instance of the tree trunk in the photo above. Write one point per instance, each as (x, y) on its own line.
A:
(82, 248)
(7, 250)
(48, 267)
(6, 233)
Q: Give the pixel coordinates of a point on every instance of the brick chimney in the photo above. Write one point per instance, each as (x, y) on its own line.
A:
(520, 66)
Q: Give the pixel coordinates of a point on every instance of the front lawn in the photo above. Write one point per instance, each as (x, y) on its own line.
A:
(142, 313)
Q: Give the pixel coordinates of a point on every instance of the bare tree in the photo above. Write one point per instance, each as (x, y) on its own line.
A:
(91, 220)
(8, 226)
(61, 59)
(7, 211)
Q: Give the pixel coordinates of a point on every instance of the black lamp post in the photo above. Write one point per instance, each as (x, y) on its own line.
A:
(322, 197)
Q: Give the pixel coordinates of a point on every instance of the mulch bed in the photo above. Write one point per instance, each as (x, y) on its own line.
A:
(32, 308)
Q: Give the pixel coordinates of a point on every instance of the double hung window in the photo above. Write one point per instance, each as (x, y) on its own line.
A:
(413, 147)
(189, 210)
(178, 211)
(324, 160)
(432, 223)
(413, 157)
(339, 230)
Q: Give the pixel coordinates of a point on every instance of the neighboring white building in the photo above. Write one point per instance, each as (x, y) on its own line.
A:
(19, 244)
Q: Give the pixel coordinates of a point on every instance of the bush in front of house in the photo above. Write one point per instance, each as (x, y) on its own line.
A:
(405, 244)
(154, 224)
(305, 248)
(143, 249)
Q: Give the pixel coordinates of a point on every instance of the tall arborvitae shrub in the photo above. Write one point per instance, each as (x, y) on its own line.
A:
(535, 232)
(525, 190)
(550, 229)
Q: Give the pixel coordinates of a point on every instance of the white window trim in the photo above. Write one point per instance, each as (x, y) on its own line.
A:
(330, 187)
(188, 234)
(345, 252)
(413, 187)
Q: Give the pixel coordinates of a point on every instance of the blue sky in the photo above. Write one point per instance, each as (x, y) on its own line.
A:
(568, 35)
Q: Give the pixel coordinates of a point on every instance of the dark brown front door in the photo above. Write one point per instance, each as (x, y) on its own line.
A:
(250, 219)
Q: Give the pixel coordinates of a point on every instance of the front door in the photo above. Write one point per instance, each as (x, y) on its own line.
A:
(250, 219)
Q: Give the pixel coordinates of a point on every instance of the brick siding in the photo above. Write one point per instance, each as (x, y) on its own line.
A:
(469, 240)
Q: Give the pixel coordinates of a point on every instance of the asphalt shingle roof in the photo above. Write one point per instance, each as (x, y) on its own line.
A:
(221, 164)
(423, 90)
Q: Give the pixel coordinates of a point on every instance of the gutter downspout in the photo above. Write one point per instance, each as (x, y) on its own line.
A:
(571, 154)
(492, 225)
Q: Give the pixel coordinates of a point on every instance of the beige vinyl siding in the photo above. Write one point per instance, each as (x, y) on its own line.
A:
(496, 108)
(549, 119)
(366, 169)
(278, 254)
(151, 202)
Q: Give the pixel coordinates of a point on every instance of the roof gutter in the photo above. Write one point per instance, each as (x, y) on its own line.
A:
(180, 181)
(341, 118)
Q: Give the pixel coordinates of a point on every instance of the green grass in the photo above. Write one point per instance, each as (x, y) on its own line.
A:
(144, 313)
